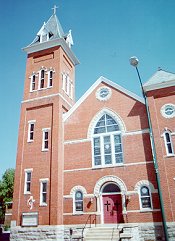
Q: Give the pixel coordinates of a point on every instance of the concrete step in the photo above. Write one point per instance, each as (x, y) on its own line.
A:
(102, 234)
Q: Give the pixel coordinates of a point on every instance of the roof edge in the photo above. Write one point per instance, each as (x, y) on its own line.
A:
(158, 86)
(89, 91)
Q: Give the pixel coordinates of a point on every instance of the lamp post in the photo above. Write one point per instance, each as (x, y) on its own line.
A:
(134, 62)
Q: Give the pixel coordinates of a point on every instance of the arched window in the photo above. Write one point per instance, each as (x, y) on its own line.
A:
(145, 198)
(50, 78)
(107, 142)
(33, 83)
(168, 143)
(42, 79)
(78, 203)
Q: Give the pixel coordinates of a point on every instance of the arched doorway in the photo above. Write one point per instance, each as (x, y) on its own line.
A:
(111, 203)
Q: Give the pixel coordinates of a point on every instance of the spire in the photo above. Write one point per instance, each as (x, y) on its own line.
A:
(51, 30)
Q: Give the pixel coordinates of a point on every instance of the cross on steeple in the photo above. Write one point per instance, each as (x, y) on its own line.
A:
(54, 9)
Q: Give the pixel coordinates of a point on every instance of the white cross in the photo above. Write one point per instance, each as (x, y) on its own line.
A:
(54, 9)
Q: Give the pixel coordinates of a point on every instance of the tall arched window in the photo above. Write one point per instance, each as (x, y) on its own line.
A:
(78, 204)
(42, 79)
(50, 78)
(145, 198)
(107, 142)
(33, 83)
(168, 143)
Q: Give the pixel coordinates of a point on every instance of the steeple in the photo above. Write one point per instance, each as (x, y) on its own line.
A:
(51, 34)
(50, 30)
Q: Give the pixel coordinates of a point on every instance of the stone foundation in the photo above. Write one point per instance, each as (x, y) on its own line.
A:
(129, 232)
(40, 233)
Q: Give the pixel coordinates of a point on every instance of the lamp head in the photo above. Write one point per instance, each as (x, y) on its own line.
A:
(134, 61)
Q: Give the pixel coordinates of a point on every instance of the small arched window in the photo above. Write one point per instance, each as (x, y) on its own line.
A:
(107, 142)
(42, 79)
(50, 78)
(78, 203)
(145, 198)
(33, 83)
(168, 143)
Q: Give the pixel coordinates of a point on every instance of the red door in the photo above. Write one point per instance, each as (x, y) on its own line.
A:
(112, 208)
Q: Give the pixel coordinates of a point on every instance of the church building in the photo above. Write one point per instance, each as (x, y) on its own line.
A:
(85, 169)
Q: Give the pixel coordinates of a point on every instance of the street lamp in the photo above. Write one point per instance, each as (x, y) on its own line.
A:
(134, 62)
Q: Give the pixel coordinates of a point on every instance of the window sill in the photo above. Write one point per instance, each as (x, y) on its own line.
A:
(169, 156)
(27, 193)
(45, 150)
(43, 205)
(146, 210)
(78, 213)
(108, 166)
(30, 141)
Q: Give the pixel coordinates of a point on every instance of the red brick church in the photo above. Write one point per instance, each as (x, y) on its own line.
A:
(85, 168)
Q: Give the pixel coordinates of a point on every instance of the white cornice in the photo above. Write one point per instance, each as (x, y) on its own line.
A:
(159, 86)
(89, 91)
(52, 43)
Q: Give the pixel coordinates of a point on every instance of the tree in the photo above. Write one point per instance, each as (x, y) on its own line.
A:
(6, 190)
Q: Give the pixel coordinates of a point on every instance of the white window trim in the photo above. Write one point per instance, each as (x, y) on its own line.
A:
(31, 82)
(43, 138)
(30, 122)
(74, 207)
(39, 81)
(67, 84)
(165, 142)
(43, 180)
(48, 80)
(139, 192)
(101, 136)
(30, 170)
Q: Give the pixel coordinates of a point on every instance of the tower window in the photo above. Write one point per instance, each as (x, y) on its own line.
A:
(31, 126)
(33, 83)
(67, 85)
(78, 201)
(45, 142)
(43, 192)
(168, 143)
(42, 79)
(145, 198)
(107, 142)
(27, 184)
(50, 78)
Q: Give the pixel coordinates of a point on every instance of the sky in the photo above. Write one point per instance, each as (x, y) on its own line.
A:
(106, 34)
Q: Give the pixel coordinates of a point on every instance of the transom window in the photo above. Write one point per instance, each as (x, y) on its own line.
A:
(110, 188)
(107, 142)
(145, 198)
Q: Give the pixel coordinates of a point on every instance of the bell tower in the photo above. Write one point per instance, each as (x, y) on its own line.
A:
(49, 92)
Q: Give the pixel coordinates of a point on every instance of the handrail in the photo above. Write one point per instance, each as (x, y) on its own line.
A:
(91, 221)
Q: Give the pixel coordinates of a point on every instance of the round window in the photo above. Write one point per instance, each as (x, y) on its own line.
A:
(168, 111)
(103, 93)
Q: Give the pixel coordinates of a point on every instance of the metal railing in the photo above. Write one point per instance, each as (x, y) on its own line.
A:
(92, 220)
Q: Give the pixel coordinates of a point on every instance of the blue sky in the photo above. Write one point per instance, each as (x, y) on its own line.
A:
(106, 34)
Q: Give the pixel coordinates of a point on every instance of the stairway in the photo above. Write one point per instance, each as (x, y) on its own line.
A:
(102, 234)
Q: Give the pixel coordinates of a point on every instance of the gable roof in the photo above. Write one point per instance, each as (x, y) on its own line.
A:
(90, 90)
(161, 79)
